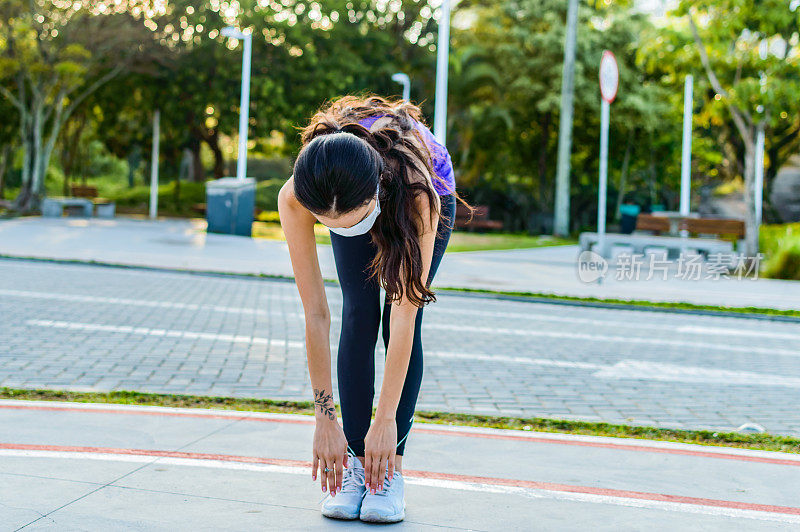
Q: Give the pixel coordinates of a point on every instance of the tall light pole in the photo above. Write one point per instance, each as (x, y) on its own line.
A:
(405, 81)
(686, 151)
(561, 221)
(244, 104)
(442, 54)
(154, 164)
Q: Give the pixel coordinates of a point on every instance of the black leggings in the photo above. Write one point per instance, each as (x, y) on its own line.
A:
(361, 316)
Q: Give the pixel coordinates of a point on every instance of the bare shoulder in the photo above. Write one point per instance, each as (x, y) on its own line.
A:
(290, 206)
(286, 197)
(286, 193)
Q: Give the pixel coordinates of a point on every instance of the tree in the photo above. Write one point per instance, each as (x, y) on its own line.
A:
(509, 64)
(8, 134)
(749, 53)
(52, 57)
(303, 54)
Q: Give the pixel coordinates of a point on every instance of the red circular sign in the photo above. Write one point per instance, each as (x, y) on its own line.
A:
(609, 76)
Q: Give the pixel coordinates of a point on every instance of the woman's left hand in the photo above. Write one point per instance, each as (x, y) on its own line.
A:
(380, 445)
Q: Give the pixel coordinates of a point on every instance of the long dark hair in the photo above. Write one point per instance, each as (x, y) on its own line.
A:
(340, 165)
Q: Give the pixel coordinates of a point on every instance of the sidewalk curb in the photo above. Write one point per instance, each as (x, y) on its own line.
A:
(456, 291)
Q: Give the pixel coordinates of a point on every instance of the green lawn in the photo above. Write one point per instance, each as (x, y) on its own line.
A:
(466, 241)
(459, 240)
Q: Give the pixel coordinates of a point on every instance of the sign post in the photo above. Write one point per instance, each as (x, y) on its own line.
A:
(609, 83)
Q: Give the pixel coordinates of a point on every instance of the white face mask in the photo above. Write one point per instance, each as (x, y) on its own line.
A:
(364, 225)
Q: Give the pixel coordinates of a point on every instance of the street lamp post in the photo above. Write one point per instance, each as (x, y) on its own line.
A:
(230, 201)
(442, 53)
(686, 151)
(244, 105)
(405, 81)
(154, 165)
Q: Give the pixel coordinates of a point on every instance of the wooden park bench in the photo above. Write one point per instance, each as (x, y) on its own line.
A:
(716, 227)
(480, 218)
(105, 207)
(653, 223)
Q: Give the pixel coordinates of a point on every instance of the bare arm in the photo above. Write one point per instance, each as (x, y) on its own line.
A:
(330, 443)
(298, 226)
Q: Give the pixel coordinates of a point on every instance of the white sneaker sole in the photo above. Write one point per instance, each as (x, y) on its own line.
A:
(375, 517)
(340, 513)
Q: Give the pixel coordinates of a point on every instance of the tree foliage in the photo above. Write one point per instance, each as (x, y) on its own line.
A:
(53, 55)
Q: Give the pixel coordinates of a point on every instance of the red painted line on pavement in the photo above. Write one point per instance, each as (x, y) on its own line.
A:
(530, 484)
(511, 437)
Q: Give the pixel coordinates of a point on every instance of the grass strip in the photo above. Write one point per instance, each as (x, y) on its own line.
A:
(764, 442)
(628, 303)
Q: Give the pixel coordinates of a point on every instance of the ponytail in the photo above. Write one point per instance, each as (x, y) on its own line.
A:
(404, 155)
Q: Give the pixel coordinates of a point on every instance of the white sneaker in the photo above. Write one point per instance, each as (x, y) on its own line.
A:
(347, 503)
(387, 505)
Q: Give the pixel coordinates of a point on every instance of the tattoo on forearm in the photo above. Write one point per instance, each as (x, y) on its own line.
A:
(325, 403)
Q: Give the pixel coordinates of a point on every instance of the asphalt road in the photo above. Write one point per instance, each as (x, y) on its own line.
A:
(84, 327)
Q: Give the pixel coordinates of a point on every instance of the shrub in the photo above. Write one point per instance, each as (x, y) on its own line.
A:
(785, 264)
(780, 244)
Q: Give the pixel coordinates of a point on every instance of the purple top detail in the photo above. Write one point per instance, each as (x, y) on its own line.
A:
(441, 158)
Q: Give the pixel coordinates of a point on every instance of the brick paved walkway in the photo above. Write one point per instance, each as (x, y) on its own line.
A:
(99, 328)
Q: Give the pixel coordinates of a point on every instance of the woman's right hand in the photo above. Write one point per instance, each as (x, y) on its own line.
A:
(330, 450)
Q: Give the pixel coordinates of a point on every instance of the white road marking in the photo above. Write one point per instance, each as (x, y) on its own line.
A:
(573, 335)
(515, 360)
(625, 369)
(167, 333)
(127, 301)
(642, 369)
(529, 316)
(724, 331)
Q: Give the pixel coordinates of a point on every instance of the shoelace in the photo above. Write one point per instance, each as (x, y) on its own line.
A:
(387, 485)
(353, 478)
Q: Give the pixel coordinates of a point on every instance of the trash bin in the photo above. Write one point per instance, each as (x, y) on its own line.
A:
(628, 213)
(229, 205)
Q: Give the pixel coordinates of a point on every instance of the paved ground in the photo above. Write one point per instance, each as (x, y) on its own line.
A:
(71, 466)
(99, 328)
(185, 244)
